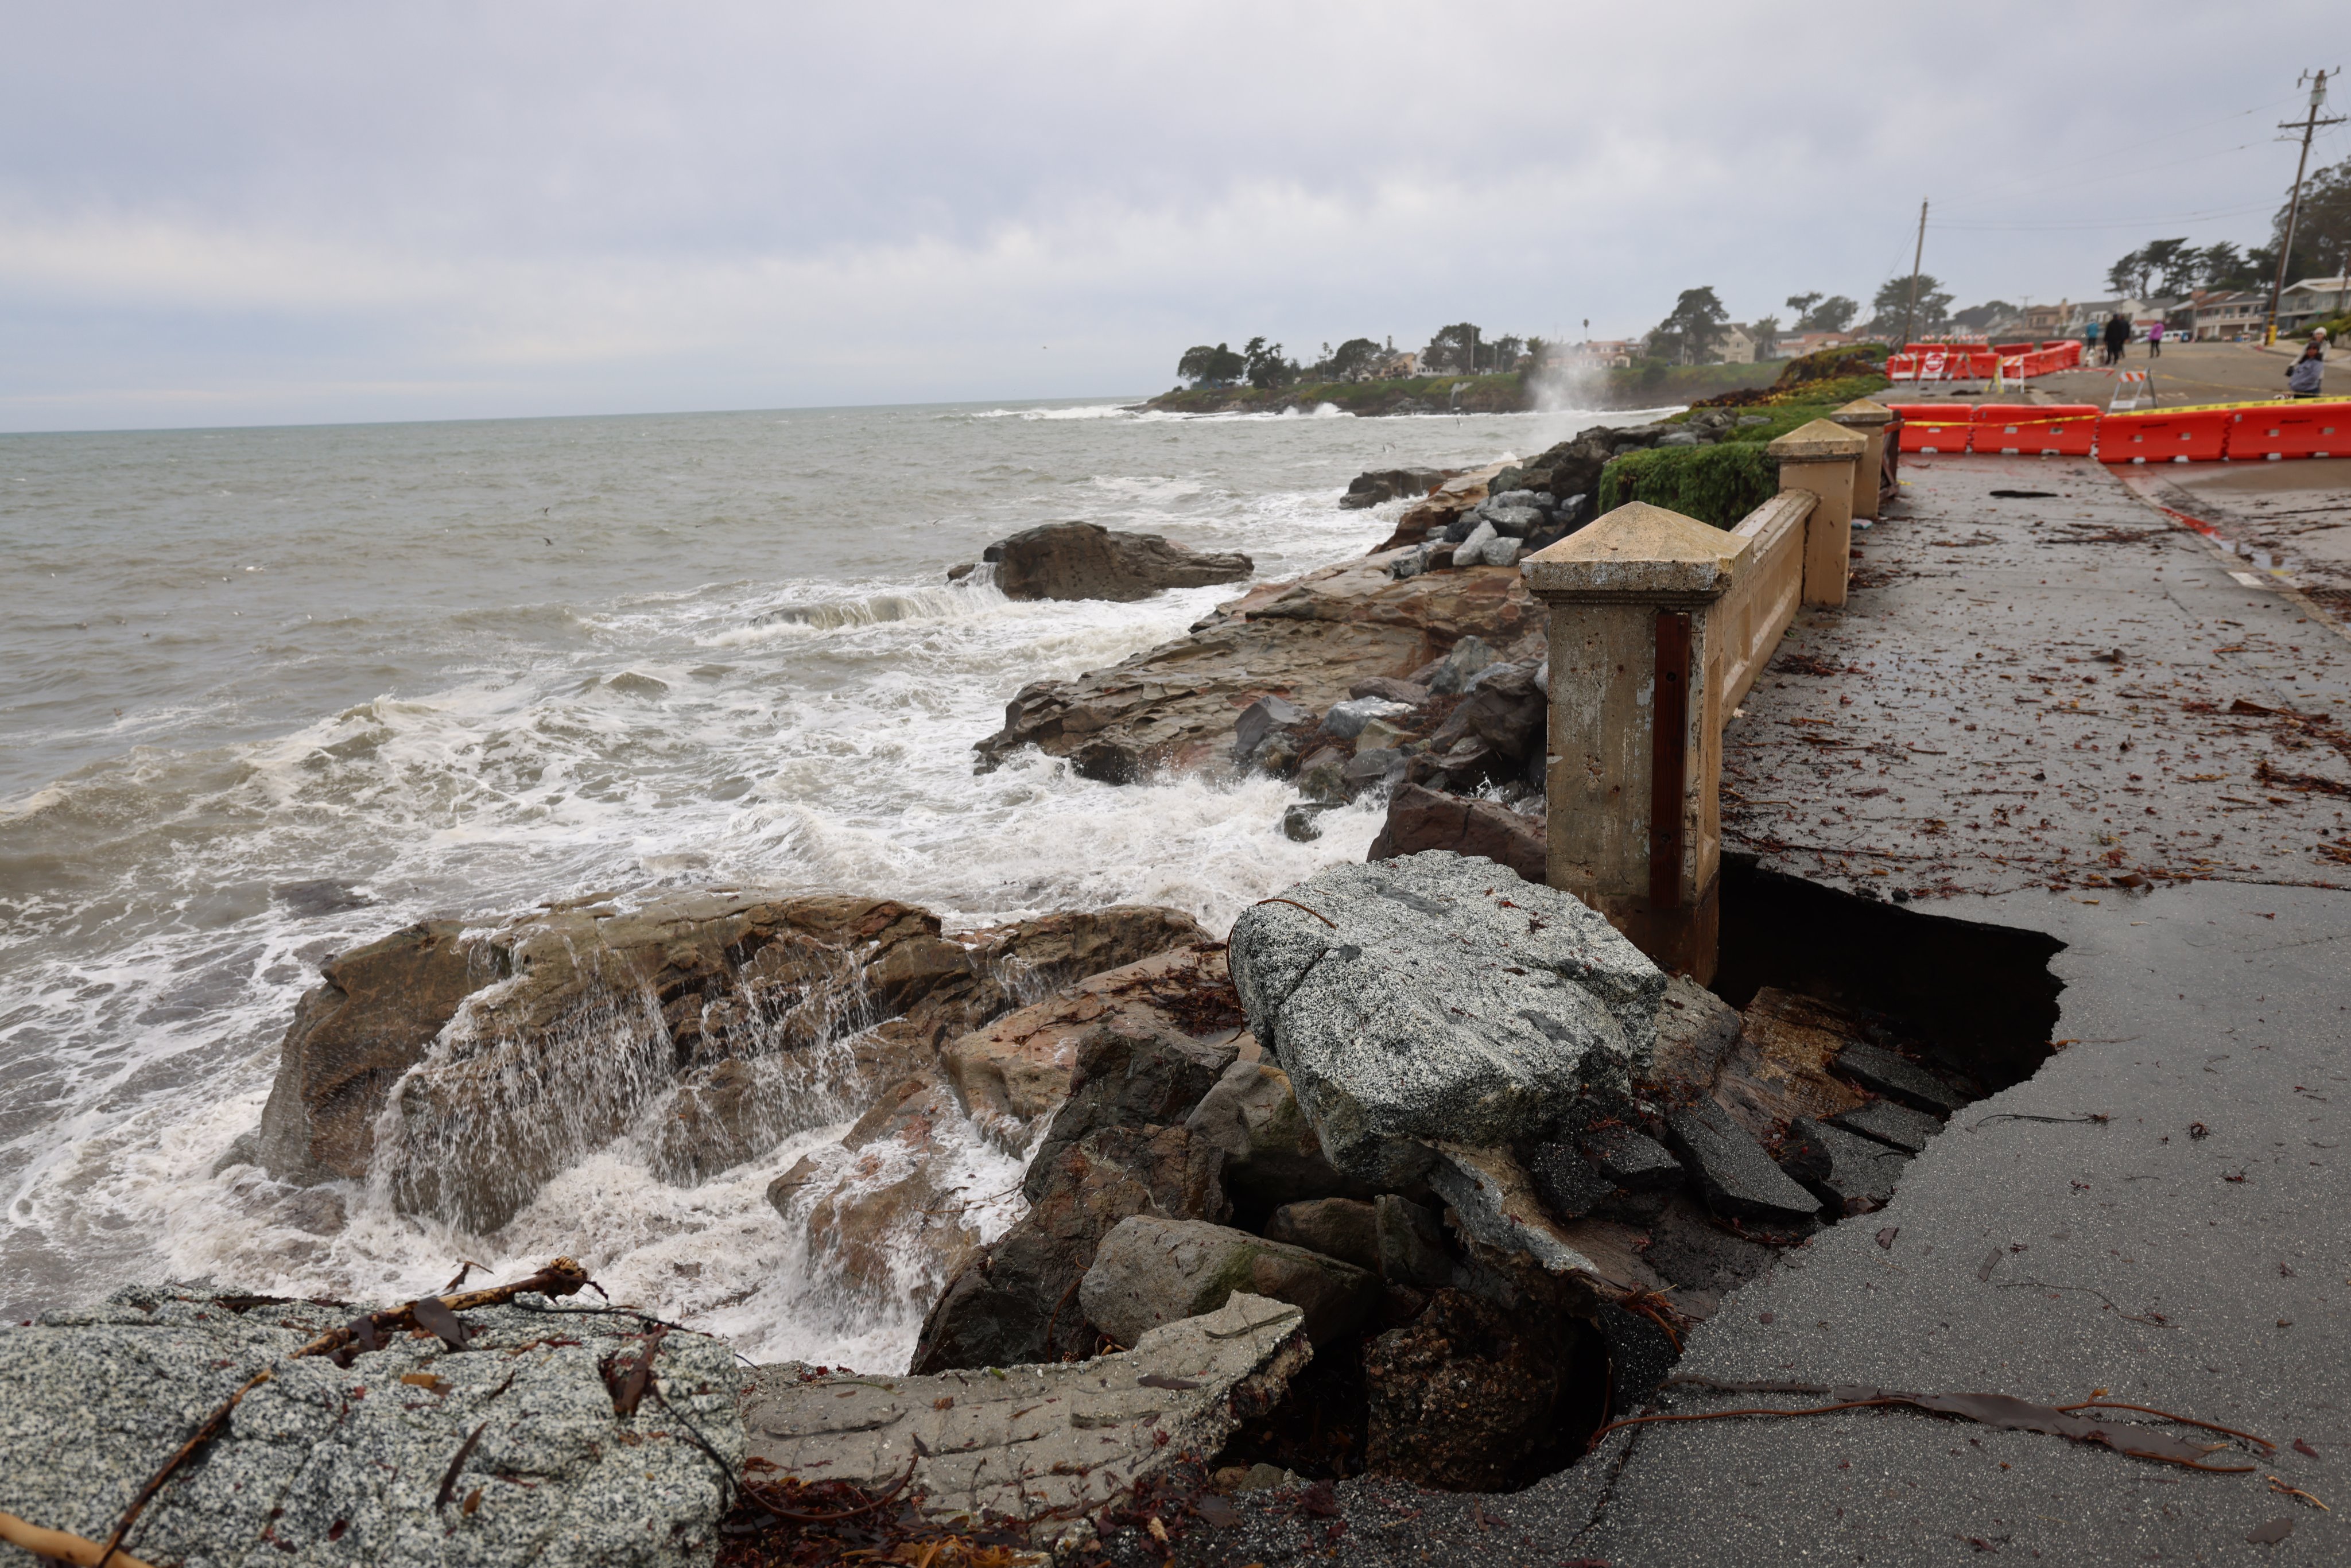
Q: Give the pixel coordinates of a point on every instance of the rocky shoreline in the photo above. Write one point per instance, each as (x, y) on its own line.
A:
(1419, 1173)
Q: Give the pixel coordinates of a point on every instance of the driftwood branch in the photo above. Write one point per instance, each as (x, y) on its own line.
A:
(60, 1545)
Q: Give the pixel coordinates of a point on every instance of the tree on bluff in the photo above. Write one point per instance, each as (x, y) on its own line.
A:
(1265, 367)
(1818, 312)
(1449, 352)
(1205, 367)
(1686, 335)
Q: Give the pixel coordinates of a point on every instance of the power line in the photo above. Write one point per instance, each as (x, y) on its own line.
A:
(1997, 191)
(2063, 225)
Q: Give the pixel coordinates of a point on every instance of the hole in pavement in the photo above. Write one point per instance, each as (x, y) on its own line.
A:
(1842, 1034)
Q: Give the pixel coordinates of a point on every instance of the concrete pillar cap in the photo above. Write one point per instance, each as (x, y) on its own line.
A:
(1818, 442)
(1639, 552)
(1862, 411)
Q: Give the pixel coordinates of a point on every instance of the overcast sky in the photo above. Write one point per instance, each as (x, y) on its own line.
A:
(261, 213)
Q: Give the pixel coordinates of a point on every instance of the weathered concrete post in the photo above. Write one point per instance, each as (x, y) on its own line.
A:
(1871, 419)
(1820, 457)
(1635, 754)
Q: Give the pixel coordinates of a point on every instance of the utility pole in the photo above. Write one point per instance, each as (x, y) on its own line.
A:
(1916, 257)
(2310, 124)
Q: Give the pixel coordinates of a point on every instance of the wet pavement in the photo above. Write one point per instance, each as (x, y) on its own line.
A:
(2159, 1211)
(2064, 691)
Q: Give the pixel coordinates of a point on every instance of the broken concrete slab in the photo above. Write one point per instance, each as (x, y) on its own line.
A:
(1847, 1171)
(1494, 1201)
(1704, 1262)
(1018, 1442)
(1739, 1179)
(1881, 1071)
(1439, 998)
(1151, 1270)
(1632, 1159)
(1896, 1126)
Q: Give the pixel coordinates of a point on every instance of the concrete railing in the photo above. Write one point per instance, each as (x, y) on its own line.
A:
(1659, 625)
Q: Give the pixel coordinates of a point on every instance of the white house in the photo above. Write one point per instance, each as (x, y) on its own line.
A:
(2312, 300)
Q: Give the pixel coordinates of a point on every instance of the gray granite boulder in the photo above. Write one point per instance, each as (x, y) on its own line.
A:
(1439, 998)
(328, 1465)
(1151, 1272)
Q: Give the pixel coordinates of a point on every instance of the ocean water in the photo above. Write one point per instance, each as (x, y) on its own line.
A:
(269, 694)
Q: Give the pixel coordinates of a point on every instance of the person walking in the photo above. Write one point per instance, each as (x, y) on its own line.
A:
(2307, 375)
(2117, 334)
(2089, 344)
(2155, 340)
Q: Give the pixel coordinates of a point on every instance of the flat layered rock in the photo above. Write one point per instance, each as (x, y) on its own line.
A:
(326, 1465)
(1739, 1179)
(1021, 1441)
(1309, 640)
(1440, 999)
(1895, 1126)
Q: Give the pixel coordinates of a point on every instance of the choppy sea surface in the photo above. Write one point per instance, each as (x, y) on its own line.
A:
(269, 694)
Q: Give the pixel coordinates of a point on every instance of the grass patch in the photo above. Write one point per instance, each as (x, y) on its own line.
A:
(1718, 485)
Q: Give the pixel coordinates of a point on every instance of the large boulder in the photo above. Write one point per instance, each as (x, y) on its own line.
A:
(1018, 1071)
(1151, 1270)
(518, 1048)
(1126, 1079)
(1439, 998)
(380, 1009)
(1050, 1443)
(510, 1451)
(1086, 560)
(1017, 1300)
(1272, 1154)
(1378, 485)
(1423, 818)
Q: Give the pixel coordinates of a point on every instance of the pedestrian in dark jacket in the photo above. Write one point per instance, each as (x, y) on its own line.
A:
(2307, 375)
(2117, 334)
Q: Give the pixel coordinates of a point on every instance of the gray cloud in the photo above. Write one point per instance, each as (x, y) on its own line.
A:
(289, 213)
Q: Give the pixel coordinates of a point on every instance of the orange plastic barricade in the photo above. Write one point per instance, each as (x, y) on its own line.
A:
(1934, 426)
(2290, 430)
(2050, 430)
(2189, 435)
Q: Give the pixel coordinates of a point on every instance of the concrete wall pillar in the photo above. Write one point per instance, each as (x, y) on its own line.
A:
(1870, 419)
(1635, 766)
(1821, 457)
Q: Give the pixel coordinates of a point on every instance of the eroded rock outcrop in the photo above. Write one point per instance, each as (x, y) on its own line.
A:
(1086, 560)
(709, 1024)
(1422, 819)
(1307, 642)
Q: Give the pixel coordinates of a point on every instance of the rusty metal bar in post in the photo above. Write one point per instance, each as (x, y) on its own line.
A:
(1668, 759)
